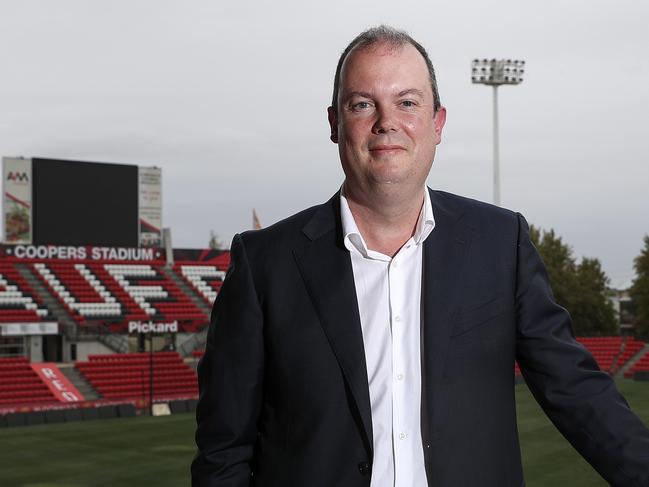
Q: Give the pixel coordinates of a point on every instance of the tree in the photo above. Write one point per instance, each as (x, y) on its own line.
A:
(580, 288)
(639, 291)
(559, 263)
(593, 311)
(215, 242)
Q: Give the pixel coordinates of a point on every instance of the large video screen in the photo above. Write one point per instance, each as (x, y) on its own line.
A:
(84, 203)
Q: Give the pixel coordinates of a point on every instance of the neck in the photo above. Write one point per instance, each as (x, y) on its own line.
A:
(385, 222)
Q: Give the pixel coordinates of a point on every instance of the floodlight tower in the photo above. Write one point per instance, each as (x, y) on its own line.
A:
(496, 72)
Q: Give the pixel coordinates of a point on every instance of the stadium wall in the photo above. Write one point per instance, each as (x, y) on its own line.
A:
(90, 348)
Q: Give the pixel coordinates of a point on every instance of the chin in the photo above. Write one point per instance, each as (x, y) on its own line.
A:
(390, 173)
(389, 180)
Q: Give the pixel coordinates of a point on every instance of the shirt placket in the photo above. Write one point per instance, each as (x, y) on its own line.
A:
(404, 380)
(399, 317)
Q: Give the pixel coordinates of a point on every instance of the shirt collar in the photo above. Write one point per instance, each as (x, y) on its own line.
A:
(354, 239)
(426, 221)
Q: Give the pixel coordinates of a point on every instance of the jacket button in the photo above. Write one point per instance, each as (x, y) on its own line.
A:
(364, 468)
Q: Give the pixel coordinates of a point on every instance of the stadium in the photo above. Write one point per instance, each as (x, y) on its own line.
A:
(102, 323)
(92, 287)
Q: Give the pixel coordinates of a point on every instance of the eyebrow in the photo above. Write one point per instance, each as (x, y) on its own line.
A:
(365, 94)
(362, 94)
(412, 91)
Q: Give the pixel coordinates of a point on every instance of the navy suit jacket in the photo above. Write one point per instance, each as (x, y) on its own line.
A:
(284, 397)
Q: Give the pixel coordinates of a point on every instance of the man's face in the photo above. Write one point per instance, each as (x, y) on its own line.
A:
(386, 126)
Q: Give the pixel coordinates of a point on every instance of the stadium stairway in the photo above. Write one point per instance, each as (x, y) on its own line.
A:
(117, 343)
(196, 340)
(83, 386)
(632, 361)
(187, 290)
(53, 305)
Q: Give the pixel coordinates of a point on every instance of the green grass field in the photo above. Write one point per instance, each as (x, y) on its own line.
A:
(147, 451)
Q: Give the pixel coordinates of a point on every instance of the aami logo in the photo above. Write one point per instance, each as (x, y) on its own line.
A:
(18, 176)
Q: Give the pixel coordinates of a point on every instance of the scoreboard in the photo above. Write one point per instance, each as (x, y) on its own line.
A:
(61, 202)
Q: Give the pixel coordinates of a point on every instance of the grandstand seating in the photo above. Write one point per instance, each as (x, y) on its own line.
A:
(642, 365)
(79, 290)
(18, 302)
(631, 347)
(611, 353)
(205, 279)
(132, 307)
(118, 293)
(127, 375)
(605, 350)
(20, 385)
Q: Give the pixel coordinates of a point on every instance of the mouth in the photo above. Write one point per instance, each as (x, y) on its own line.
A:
(386, 149)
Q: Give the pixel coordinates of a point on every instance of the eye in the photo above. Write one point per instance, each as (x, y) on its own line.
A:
(408, 103)
(361, 105)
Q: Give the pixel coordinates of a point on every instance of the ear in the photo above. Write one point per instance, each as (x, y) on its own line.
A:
(438, 123)
(333, 124)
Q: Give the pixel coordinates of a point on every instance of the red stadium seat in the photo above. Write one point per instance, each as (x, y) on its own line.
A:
(128, 375)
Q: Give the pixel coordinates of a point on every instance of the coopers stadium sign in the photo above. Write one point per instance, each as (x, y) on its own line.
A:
(67, 252)
(151, 327)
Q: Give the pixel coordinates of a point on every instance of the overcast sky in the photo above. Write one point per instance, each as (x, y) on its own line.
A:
(229, 99)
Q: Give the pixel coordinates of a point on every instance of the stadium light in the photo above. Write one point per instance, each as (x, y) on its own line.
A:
(497, 72)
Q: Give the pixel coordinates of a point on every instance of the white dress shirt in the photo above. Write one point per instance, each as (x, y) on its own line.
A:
(388, 290)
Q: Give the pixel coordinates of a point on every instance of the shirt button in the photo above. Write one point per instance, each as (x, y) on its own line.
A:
(397, 318)
(402, 436)
(395, 264)
(400, 377)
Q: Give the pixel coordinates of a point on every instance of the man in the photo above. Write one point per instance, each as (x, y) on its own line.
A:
(370, 341)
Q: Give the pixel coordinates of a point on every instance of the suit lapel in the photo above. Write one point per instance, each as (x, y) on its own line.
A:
(325, 266)
(444, 254)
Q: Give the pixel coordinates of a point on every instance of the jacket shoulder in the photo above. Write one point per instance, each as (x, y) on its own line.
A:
(478, 213)
(285, 233)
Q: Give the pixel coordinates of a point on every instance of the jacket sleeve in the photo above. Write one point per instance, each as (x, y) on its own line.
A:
(580, 399)
(230, 377)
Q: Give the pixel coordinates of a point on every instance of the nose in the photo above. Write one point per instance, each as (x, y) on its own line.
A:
(386, 121)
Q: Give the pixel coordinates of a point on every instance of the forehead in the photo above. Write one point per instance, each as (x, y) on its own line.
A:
(384, 66)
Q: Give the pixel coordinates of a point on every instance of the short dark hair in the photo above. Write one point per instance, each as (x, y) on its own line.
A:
(393, 37)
